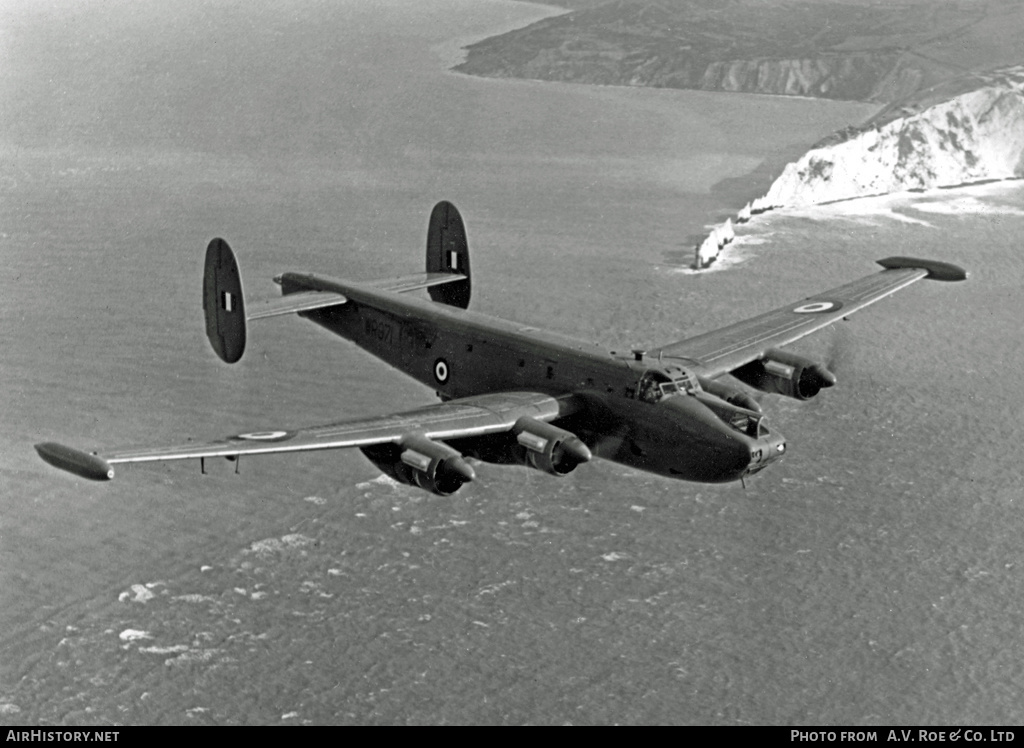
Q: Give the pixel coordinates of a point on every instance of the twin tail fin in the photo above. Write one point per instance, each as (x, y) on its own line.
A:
(223, 304)
(447, 280)
(448, 252)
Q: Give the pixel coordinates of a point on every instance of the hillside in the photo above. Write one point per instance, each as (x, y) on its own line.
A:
(839, 50)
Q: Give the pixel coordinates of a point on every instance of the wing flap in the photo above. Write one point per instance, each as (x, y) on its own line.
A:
(718, 352)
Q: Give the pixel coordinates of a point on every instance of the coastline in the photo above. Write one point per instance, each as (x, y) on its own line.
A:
(452, 52)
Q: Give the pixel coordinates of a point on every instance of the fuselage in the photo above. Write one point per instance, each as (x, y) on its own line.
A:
(630, 410)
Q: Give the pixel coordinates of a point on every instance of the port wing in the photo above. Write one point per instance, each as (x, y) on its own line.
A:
(471, 416)
(716, 353)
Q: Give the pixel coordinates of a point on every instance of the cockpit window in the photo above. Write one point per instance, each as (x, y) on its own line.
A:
(649, 390)
(751, 425)
(686, 382)
(656, 385)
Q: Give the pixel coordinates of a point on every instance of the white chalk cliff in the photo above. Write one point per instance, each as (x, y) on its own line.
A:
(973, 136)
(965, 131)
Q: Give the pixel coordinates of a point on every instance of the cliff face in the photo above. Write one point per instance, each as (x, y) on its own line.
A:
(877, 77)
(975, 135)
(968, 130)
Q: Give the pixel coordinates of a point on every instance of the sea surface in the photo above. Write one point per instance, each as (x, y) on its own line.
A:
(874, 576)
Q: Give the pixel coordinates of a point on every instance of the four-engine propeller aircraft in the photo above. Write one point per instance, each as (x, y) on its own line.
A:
(517, 395)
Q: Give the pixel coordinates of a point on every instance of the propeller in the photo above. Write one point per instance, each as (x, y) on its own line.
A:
(839, 355)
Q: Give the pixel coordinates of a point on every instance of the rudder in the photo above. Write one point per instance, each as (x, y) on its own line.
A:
(222, 302)
(448, 252)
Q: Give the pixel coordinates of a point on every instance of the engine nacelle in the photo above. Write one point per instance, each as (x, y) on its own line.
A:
(786, 374)
(419, 461)
(549, 448)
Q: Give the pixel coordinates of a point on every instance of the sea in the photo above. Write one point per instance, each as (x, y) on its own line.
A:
(873, 577)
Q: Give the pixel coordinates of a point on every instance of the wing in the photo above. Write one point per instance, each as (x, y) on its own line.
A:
(715, 353)
(471, 416)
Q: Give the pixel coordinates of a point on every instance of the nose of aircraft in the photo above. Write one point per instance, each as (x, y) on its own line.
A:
(768, 449)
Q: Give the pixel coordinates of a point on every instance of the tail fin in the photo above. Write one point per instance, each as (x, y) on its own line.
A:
(448, 251)
(222, 302)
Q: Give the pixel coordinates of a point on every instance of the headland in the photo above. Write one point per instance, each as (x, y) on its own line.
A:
(948, 78)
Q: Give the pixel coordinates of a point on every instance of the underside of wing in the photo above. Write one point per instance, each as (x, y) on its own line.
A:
(715, 353)
(410, 432)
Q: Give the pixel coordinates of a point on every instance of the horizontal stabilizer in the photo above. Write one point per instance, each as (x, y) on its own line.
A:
(75, 461)
(303, 301)
(940, 271)
(416, 281)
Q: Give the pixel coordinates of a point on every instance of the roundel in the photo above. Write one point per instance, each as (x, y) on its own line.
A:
(441, 371)
(816, 307)
(267, 436)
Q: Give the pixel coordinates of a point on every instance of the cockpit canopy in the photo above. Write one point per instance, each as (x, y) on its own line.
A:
(657, 384)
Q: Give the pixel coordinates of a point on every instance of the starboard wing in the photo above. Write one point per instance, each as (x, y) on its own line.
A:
(471, 416)
(720, 351)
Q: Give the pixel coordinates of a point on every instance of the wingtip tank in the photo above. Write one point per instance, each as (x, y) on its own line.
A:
(75, 461)
(940, 271)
